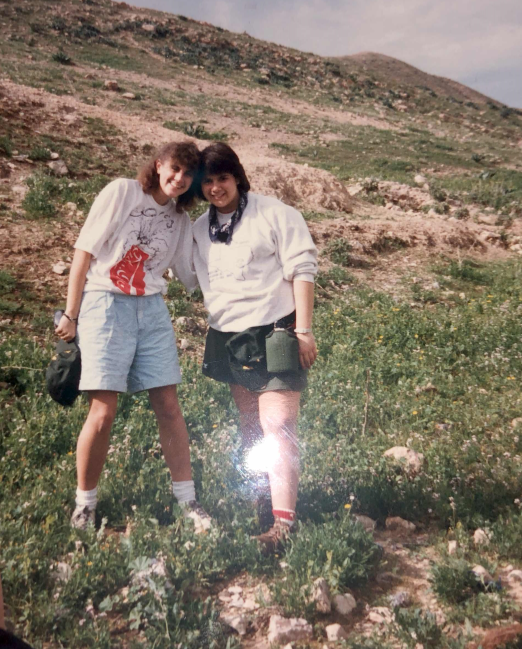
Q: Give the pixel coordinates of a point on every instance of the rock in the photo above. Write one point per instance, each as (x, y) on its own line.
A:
(398, 523)
(70, 206)
(55, 156)
(235, 590)
(407, 456)
(516, 422)
(156, 568)
(419, 179)
(452, 547)
(401, 599)
(482, 574)
(380, 615)
(368, 523)
(481, 537)
(429, 387)
(128, 95)
(62, 572)
(147, 27)
(321, 595)
(335, 632)
(490, 219)
(20, 190)
(60, 268)
(283, 629)
(515, 575)
(499, 637)
(58, 167)
(188, 324)
(237, 622)
(111, 84)
(344, 604)
(184, 344)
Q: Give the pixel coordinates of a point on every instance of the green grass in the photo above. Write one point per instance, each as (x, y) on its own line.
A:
(369, 344)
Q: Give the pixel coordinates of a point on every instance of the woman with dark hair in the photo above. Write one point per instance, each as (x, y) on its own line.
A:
(135, 231)
(256, 261)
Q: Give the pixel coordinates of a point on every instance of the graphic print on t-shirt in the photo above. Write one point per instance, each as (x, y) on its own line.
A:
(145, 246)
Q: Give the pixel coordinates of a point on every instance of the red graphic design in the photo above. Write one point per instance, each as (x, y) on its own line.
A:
(129, 274)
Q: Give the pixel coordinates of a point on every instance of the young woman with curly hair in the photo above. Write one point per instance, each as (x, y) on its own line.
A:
(135, 231)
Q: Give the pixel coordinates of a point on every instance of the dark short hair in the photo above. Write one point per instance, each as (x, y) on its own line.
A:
(186, 154)
(220, 158)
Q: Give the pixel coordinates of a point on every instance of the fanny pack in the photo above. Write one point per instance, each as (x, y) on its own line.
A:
(258, 351)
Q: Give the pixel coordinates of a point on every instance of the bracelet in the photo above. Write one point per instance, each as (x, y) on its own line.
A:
(303, 330)
(73, 320)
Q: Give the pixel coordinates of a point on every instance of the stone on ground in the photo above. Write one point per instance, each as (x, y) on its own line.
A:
(237, 622)
(411, 459)
(58, 167)
(335, 632)
(60, 268)
(481, 537)
(515, 575)
(110, 84)
(481, 573)
(283, 629)
(452, 547)
(398, 523)
(367, 522)
(321, 595)
(344, 604)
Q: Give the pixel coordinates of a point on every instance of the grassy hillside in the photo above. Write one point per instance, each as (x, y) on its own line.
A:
(412, 188)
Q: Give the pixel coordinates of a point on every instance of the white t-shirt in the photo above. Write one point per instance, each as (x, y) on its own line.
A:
(134, 240)
(248, 282)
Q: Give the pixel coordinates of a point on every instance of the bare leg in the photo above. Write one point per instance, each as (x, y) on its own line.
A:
(278, 415)
(173, 431)
(248, 405)
(93, 442)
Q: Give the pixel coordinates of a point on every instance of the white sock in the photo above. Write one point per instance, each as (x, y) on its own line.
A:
(87, 498)
(184, 491)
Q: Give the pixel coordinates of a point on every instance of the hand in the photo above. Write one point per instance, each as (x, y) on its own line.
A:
(66, 330)
(307, 350)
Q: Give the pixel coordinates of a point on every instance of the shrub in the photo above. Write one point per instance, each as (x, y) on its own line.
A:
(340, 551)
(6, 145)
(38, 202)
(338, 251)
(462, 213)
(415, 627)
(196, 130)
(62, 57)
(39, 153)
(453, 581)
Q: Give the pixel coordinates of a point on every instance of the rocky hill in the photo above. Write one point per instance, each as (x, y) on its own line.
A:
(412, 188)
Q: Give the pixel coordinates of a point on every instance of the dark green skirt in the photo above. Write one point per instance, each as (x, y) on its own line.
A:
(250, 371)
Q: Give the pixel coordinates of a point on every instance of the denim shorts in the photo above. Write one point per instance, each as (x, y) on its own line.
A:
(127, 342)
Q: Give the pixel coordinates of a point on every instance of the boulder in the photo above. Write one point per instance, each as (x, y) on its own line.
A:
(411, 459)
(335, 632)
(111, 84)
(515, 575)
(367, 522)
(60, 268)
(237, 622)
(481, 537)
(281, 629)
(398, 523)
(321, 595)
(344, 604)
(58, 167)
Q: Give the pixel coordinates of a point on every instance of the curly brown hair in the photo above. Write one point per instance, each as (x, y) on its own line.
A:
(184, 153)
(220, 158)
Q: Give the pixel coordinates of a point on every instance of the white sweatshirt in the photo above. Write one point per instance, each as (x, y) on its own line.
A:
(133, 240)
(248, 282)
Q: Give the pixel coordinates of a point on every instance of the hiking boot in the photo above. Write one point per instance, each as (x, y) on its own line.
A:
(82, 517)
(194, 511)
(274, 540)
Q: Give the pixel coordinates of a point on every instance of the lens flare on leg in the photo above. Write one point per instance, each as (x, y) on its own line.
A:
(263, 456)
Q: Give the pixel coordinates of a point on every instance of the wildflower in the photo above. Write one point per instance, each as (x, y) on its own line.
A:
(348, 506)
(414, 412)
(214, 426)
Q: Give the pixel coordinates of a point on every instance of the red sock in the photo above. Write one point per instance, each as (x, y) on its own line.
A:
(286, 516)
